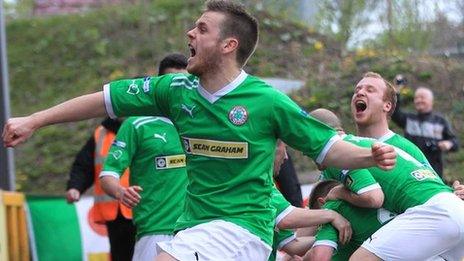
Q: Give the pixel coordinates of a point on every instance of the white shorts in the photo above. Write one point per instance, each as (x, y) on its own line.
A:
(216, 240)
(432, 231)
(145, 248)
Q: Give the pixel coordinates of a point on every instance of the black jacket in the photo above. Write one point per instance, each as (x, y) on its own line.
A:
(81, 176)
(426, 130)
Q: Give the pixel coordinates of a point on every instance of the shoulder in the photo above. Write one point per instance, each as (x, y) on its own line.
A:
(187, 81)
(438, 117)
(137, 122)
(255, 83)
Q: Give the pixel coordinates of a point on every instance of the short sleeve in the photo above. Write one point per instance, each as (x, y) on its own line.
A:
(147, 96)
(301, 131)
(122, 151)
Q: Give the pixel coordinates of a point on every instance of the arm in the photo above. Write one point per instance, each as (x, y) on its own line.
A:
(299, 246)
(449, 142)
(346, 155)
(398, 116)
(306, 231)
(300, 217)
(319, 253)
(320, 142)
(82, 174)
(369, 199)
(115, 166)
(280, 157)
(130, 196)
(18, 130)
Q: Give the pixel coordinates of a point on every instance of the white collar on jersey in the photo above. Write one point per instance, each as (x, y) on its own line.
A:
(212, 98)
(386, 136)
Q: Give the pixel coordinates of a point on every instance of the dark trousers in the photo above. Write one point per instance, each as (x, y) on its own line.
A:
(121, 233)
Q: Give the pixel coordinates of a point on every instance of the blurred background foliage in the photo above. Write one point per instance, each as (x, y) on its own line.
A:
(54, 58)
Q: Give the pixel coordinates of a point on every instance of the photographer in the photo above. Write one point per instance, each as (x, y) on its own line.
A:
(430, 131)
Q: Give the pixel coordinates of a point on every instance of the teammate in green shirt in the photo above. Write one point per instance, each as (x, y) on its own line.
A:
(429, 212)
(364, 221)
(150, 147)
(290, 217)
(229, 122)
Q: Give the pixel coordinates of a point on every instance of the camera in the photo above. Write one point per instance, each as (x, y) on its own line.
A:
(400, 80)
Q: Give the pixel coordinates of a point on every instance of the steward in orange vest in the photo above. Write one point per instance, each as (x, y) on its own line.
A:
(106, 207)
(85, 172)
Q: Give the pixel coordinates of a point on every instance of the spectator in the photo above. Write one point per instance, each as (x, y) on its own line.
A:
(430, 131)
(288, 183)
(85, 172)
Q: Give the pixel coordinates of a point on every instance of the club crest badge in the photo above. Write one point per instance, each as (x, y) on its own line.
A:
(133, 89)
(238, 115)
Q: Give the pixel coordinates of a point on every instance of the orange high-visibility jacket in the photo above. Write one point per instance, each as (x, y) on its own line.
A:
(106, 207)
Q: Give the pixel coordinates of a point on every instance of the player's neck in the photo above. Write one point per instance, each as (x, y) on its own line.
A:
(215, 80)
(375, 130)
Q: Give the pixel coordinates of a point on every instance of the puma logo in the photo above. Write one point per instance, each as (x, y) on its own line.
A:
(161, 137)
(188, 110)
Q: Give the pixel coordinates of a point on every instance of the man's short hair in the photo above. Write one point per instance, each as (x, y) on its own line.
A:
(321, 189)
(174, 60)
(390, 92)
(238, 23)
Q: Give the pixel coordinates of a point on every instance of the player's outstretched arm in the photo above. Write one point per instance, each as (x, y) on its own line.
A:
(345, 155)
(300, 217)
(18, 130)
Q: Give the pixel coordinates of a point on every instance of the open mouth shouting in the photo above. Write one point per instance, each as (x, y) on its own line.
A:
(192, 51)
(360, 106)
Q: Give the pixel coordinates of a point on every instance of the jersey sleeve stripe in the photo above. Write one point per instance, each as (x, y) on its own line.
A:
(108, 104)
(286, 241)
(283, 214)
(368, 188)
(320, 158)
(108, 173)
(326, 243)
(141, 119)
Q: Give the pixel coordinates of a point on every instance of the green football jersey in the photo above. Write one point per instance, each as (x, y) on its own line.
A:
(364, 222)
(229, 138)
(280, 204)
(401, 142)
(284, 236)
(409, 184)
(281, 238)
(151, 148)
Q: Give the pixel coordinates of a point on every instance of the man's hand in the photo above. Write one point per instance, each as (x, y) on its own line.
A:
(343, 227)
(458, 189)
(280, 157)
(130, 196)
(335, 193)
(17, 130)
(72, 195)
(384, 156)
(445, 145)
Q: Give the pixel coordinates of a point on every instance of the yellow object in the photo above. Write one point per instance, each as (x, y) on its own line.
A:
(14, 220)
(3, 236)
(98, 257)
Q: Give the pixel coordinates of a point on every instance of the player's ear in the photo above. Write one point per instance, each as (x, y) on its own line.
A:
(387, 106)
(229, 45)
(321, 201)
